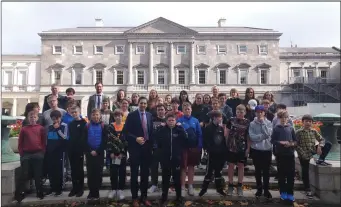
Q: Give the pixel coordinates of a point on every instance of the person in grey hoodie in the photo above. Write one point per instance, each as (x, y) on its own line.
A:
(260, 131)
(284, 139)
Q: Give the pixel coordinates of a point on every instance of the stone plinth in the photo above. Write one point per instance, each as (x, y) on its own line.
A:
(9, 175)
(325, 181)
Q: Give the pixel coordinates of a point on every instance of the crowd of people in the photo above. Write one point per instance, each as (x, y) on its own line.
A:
(170, 132)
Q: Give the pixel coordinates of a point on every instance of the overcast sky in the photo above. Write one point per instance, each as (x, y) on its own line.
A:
(306, 24)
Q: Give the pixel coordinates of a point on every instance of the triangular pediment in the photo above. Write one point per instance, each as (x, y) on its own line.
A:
(181, 65)
(161, 65)
(119, 66)
(140, 66)
(202, 65)
(57, 66)
(222, 65)
(78, 65)
(161, 26)
(243, 65)
(99, 66)
(264, 65)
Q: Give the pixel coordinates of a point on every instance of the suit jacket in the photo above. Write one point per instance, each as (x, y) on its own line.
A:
(133, 129)
(92, 103)
(61, 102)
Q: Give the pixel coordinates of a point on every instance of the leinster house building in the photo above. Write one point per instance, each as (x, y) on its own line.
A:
(169, 57)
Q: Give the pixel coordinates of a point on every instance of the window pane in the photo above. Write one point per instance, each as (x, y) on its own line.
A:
(243, 77)
(323, 74)
(181, 77)
(78, 78)
(22, 78)
(120, 49)
(263, 49)
(140, 49)
(222, 78)
(79, 49)
(160, 49)
(8, 78)
(161, 77)
(263, 77)
(140, 77)
(57, 75)
(99, 49)
(99, 76)
(181, 49)
(296, 73)
(119, 77)
(57, 49)
(202, 77)
(202, 49)
(221, 48)
(242, 49)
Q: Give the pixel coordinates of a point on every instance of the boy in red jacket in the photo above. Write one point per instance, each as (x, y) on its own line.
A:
(31, 146)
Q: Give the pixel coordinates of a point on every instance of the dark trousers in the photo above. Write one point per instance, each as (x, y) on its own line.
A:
(45, 169)
(262, 161)
(154, 167)
(94, 167)
(305, 165)
(55, 160)
(171, 168)
(30, 162)
(215, 164)
(286, 173)
(118, 174)
(140, 160)
(77, 170)
(107, 159)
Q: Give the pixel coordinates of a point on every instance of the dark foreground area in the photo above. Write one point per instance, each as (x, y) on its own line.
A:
(197, 203)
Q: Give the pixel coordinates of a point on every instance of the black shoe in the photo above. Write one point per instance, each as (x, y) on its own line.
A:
(49, 192)
(80, 193)
(179, 201)
(259, 193)
(19, 197)
(57, 194)
(202, 192)
(221, 192)
(72, 193)
(89, 197)
(40, 196)
(267, 194)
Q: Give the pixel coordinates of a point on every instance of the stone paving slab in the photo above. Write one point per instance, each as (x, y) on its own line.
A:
(210, 195)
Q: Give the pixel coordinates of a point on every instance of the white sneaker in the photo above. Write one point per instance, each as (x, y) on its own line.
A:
(112, 194)
(190, 190)
(120, 195)
(152, 189)
(183, 192)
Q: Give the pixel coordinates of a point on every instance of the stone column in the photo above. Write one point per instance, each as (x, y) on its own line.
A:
(218, 76)
(130, 64)
(171, 63)
(73, 79)
(238, 76)
(28, 100)
(52, 76)
(93, 76)
(14, 107)
(151, 64)
(192, 63)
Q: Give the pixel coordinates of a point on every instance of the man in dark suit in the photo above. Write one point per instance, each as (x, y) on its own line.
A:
(95, 101)
(138, 130)
(54, 91)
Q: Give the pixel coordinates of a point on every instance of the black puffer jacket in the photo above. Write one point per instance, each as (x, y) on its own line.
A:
(171, 142)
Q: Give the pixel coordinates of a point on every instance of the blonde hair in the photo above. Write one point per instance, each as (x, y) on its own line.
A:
(241, 107)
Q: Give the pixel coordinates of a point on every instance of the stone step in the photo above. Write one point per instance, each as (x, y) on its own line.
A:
(210, 195)
(248, 181)
(202, 171)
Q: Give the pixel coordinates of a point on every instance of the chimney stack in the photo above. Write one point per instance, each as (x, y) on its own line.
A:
(221, 22)
(99, 22)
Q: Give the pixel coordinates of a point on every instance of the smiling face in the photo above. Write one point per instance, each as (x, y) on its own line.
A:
(124, 105)
(207, 99)
(199, 99)
(159, 101)
(153, 94)
(184, 96)
(168, 99)
(121, 94)
(161, 111)
(187, 111)
(135, 98)
(32, 117)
